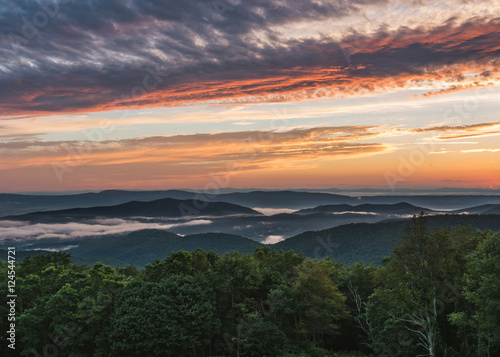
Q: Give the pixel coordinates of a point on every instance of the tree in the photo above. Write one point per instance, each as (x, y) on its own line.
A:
(483, 291)
(320, 303)
(358, 284)
(39, 279)
(172, 318)
(415, 278)
(259, 337)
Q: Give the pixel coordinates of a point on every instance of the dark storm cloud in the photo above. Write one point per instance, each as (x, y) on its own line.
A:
(102, 55)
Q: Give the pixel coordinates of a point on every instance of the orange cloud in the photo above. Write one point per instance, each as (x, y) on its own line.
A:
(472, 127)
(283, 156)
(474, 135)
(457, 88)
(250, 148)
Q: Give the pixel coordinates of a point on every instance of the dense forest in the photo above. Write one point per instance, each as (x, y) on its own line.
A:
(437, 294)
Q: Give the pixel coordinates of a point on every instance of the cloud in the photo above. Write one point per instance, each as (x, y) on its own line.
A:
(109, 54)
(23, 230)
(457, 88)
(217, 158)
(471, 131)
(473, 135)
(246, 148)
(12, 224)
(355, 212)
(438, 152)
(481, 150)
(15, 137)
(444, 128)
(66, 247)
(199, 154)
(273, 211)
(273, 239)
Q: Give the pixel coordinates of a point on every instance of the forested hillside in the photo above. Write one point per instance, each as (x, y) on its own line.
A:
(371, 242)
(437, 295)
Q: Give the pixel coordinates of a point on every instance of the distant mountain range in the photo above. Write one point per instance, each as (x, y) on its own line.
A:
(367, 242)
(303, 200)
(14, 204)
(401, 208)
(166, 207)
(187, 217)
(135, 227)
(11, 204)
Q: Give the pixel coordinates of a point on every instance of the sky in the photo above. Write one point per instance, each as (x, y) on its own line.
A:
(150, 94)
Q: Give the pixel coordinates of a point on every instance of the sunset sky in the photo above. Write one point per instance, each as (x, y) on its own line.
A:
(150, 94)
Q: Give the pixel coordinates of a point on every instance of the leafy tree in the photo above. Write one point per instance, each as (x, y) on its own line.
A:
(358, 283)
(130, 271)
(320, 303)
(39, 279)
(173, 318)
(259, 338)
(483, 291)
(415, 277)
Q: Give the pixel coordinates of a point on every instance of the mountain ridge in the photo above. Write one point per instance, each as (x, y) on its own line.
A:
(15, 204)
(165, 207)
